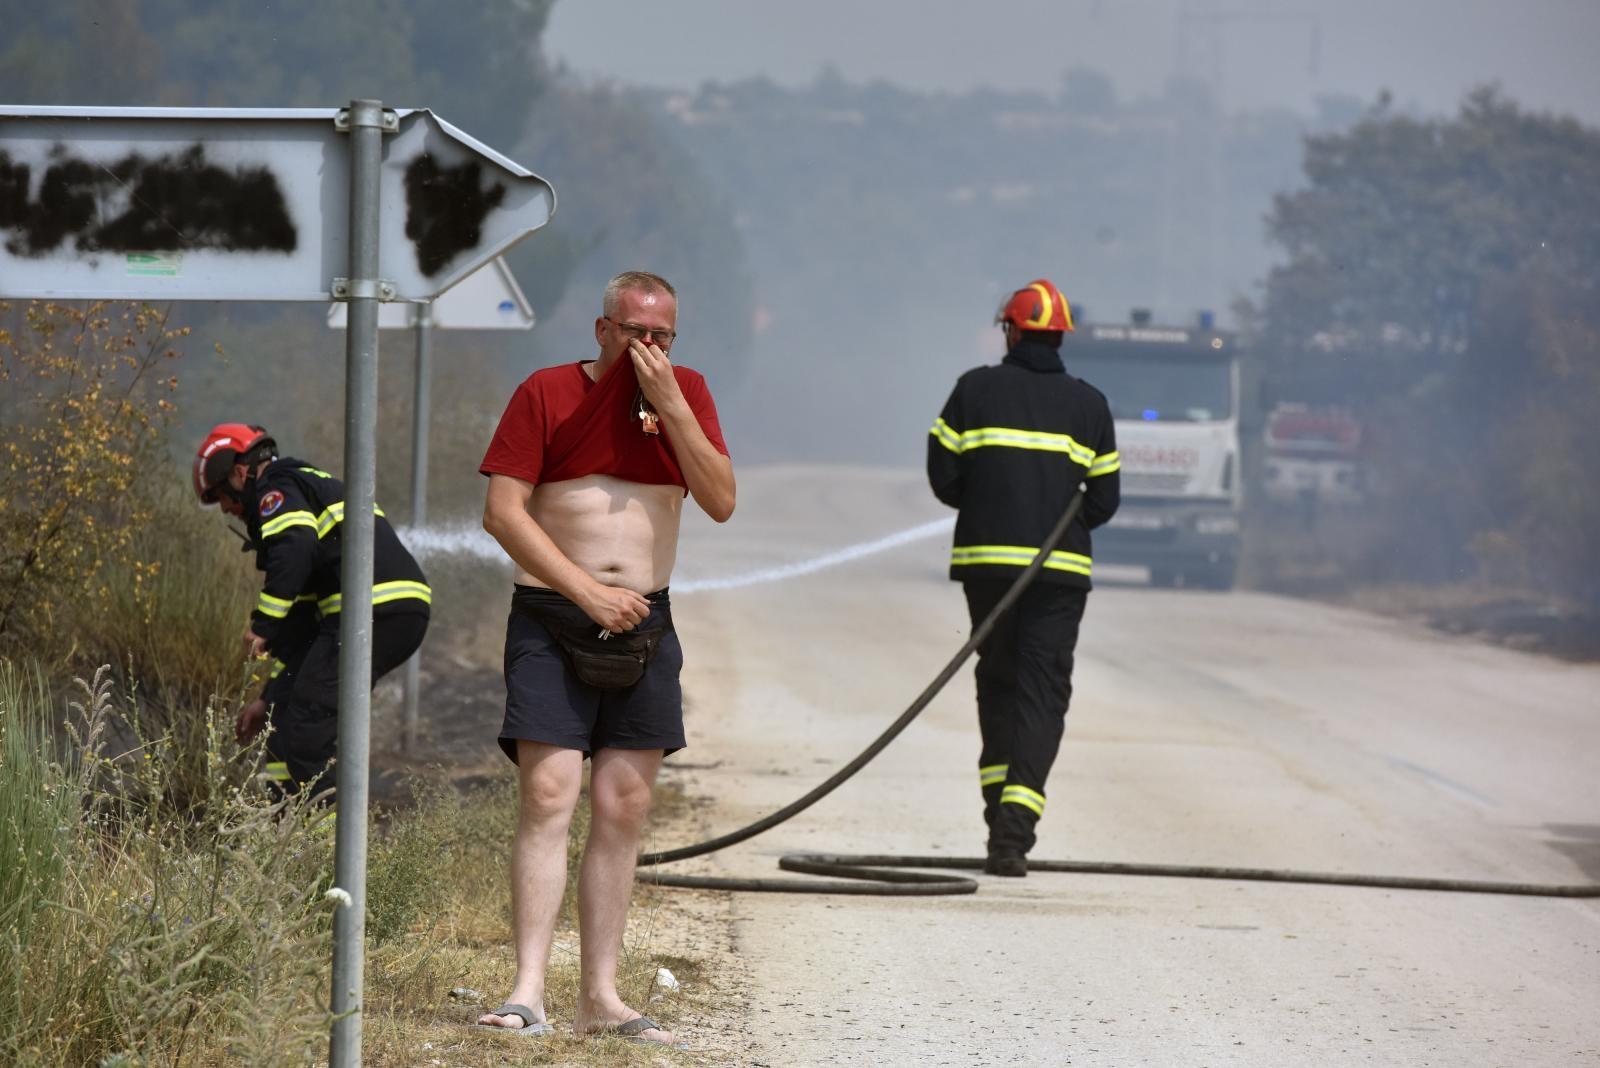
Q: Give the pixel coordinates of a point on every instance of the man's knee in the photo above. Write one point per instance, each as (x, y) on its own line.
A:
(548, 781)
(619, 801)
(544, 801)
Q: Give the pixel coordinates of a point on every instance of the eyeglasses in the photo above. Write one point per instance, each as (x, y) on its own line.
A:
(635, 332)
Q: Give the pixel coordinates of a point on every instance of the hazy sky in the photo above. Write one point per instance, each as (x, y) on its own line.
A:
(1268, 52)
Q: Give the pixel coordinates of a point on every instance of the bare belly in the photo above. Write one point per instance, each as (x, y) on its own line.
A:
(621, 533)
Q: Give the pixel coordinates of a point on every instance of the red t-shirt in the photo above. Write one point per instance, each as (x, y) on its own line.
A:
(560, 425)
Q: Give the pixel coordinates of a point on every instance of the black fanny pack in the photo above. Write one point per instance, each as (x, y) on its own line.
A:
(600, 658)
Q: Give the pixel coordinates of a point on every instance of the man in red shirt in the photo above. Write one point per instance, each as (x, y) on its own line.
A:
(588, 472)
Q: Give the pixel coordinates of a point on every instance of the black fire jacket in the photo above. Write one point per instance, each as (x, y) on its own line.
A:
(1011, 445)
(295, 514)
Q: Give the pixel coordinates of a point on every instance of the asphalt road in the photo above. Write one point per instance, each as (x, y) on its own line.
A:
(1223, 729)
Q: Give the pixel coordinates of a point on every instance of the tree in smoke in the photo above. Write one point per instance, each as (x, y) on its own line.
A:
(627, 196)
(1441, 278)
(644, 203)
(478, 64)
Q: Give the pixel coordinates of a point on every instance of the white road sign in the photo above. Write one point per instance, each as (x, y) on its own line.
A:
(487, 299)
(242, 203)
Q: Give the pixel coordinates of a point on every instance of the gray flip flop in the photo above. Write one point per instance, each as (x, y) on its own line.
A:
(633, 1030)
(511, 1009)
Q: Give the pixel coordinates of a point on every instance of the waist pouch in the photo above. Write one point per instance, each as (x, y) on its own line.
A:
(614, 662)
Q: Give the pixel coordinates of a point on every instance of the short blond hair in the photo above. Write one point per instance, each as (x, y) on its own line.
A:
(640, 281)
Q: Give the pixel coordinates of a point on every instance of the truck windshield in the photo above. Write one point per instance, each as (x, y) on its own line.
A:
(1157, 391)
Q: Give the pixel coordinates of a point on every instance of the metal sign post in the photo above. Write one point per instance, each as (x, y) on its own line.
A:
(421, 416)
(365, 123)
(363, 204)
(420, 411)
(487, 299)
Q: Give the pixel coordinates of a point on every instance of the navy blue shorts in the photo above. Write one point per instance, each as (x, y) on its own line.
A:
(546, 702)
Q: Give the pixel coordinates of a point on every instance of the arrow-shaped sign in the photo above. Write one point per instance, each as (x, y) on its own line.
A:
(243, 204)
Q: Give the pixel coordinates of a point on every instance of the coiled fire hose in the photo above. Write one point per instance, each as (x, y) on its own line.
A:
(886, 874)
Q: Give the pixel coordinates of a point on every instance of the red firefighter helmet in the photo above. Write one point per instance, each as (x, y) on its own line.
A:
(1038, 305)
(225, 445)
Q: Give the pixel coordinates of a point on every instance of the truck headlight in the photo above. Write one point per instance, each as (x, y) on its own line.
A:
(1217, 524)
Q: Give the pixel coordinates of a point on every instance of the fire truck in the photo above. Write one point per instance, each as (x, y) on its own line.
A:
(1314, 455)
(1174, 393)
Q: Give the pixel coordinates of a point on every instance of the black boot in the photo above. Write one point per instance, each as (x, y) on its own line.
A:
(1007, 861)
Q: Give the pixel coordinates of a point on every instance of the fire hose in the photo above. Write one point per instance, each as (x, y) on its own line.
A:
(891, 874)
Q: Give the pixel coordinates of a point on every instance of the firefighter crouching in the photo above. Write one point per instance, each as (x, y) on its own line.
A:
(1010, 448)
(293, 514)
(289, 648)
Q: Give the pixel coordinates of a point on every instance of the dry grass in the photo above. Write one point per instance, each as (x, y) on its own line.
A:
(156, 906)
(1516, 617)
(199, 935)
(414, 1019)
(1347, 557)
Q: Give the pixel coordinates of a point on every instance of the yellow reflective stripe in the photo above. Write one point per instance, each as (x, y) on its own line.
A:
(1015, 438)
(1027, 439)
(333, 515)
(277, 771)
(314, 471)
(383, 593)
(278, 524)
(947, 435)
(1105, 463)
(1021, 795)
(278, 668)
(994, 773)
(1046, 306)
(1077, 563)
(275, 607)
(1018, 556)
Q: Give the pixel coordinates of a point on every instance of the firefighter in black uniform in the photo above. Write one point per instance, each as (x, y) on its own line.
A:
(289, 648)
(1012, 445)
(294, 514)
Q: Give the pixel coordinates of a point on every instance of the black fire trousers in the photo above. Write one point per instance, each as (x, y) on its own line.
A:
(1024, 678)
(305, 728)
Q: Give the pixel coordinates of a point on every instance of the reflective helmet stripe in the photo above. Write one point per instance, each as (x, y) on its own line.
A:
(1046, 309)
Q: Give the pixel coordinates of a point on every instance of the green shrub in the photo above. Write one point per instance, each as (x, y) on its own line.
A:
(39, 804)
(409, 862)
(176, 606)
(198, 935)
(82, 409)
(171, 624)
